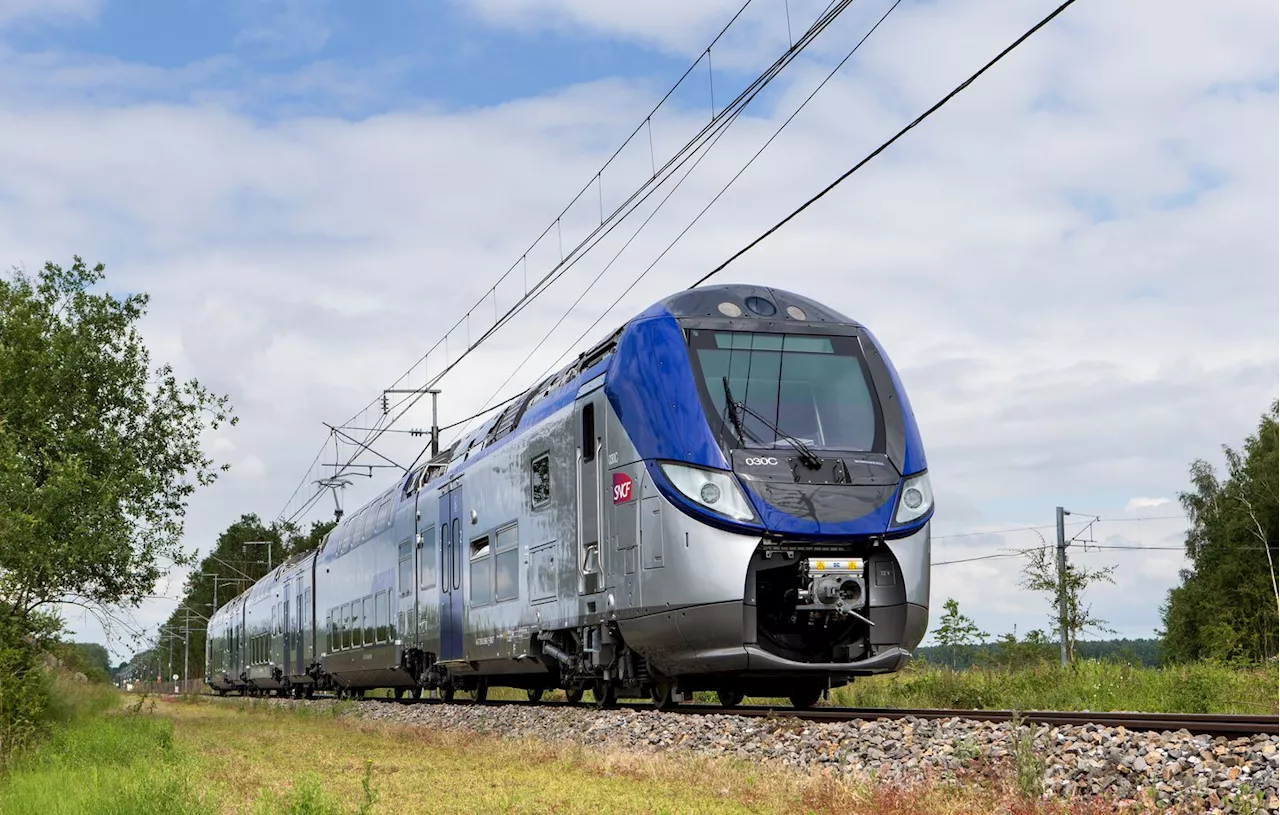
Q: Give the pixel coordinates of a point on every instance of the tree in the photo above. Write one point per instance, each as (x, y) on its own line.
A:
(1041, 574)
(1226, 605)
(99, 452)
(955, 630)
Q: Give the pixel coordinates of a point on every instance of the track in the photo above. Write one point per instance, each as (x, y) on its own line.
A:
(1200, 723)
(1215, 724)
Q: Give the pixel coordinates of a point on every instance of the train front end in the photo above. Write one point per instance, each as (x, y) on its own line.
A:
(799, 489)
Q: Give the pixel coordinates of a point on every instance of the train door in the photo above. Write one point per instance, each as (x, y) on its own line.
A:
(453, 553)
(286, 630)
(588, 434)
(406, 594)
(299, 629)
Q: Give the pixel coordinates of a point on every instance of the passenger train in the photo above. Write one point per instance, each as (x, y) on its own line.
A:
(729, 494)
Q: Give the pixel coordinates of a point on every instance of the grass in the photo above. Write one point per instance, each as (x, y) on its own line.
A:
(254, 757)
(251, 756)
(1083, 685)
(105, 765)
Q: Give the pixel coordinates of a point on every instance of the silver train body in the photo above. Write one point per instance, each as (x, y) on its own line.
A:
(728, 494)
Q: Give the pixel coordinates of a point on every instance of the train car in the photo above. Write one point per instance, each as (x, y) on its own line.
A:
(224, 662)
(729, 493)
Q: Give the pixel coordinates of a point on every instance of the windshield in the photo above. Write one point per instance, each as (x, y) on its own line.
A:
(814, 388)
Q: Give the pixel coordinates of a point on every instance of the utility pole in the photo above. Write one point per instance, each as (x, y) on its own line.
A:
(1062, 584)
(435, 423)
(170, 633)
(186, 652)
(262, 543)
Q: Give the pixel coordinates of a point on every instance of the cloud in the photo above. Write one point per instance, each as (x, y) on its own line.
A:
(283, 28)
(1139, 504)
(1076, 314)
(51, 12)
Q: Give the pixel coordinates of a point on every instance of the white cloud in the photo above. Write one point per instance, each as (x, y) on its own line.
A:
(47, 11)
(1139, 504)
(1075, 315)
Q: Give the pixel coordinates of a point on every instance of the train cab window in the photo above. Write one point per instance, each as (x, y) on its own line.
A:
(368, 620)
(589, 433)
(481, 572)
(506, 564)
(427, 559)
(540, 489)
(381, 611)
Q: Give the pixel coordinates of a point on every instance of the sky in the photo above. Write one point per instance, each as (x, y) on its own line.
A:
(1073, 265)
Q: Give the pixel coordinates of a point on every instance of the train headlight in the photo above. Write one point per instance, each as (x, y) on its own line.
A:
(710, 493)
(715, 490)
(916, 499)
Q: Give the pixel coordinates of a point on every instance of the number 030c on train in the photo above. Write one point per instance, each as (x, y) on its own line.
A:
(729, 493)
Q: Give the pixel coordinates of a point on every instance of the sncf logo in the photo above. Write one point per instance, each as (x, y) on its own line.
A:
(760, 461)
(621, 488)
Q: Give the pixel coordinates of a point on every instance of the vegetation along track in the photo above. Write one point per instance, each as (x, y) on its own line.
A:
(1216, 724)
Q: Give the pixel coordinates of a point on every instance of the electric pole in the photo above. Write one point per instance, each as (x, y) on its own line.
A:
(186, 652)
(435, 424)
(1062, 584)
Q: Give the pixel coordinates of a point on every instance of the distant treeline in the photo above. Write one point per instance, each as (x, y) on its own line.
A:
(1144, 652)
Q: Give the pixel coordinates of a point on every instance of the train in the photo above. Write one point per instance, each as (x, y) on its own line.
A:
(729, 493)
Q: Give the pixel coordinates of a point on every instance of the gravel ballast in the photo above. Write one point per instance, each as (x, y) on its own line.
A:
(1168, 767)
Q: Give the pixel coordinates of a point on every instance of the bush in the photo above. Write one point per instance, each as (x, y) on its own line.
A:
(24, 686)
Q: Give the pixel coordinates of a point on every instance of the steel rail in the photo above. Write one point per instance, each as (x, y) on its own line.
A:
(1212, 724)
(1217, 724)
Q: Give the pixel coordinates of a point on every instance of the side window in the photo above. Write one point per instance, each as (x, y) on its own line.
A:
(382, 610)
(481, 578)
(328, 632)
(457, 555)
(427, 559)
(368, 620)
(384, 515)
(540, 488)
(346, 625)
(589, 433)
(405, 585)
(444, 564)
(506, 564)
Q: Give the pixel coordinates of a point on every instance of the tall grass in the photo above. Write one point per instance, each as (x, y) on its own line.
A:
(122, 764)
(1083, 685)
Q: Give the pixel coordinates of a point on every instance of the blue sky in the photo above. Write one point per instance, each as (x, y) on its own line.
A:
(1073, 266)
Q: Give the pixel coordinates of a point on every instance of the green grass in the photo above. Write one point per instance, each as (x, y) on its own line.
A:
(1084, 685)
(105, 765)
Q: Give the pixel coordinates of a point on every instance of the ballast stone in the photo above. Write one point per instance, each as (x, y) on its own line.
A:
(1080, 760)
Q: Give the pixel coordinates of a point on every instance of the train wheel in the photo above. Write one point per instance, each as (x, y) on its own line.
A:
(534, 694)
(805, 698)
(606, 694)
(573, 694)
(309, 691)
(446, 694)
(481, 692)
(729, 697)
(399, 694)
(416, 693)
(663, 694)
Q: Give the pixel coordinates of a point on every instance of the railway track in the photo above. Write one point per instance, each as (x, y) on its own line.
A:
(1215, 724)
(1198, 723)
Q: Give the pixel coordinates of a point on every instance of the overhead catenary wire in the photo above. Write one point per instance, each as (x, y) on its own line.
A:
(844, 176)
(690, 225)
(608, 224)
(847, 173)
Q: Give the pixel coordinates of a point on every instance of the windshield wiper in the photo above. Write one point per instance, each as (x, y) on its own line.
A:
(733, 406)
